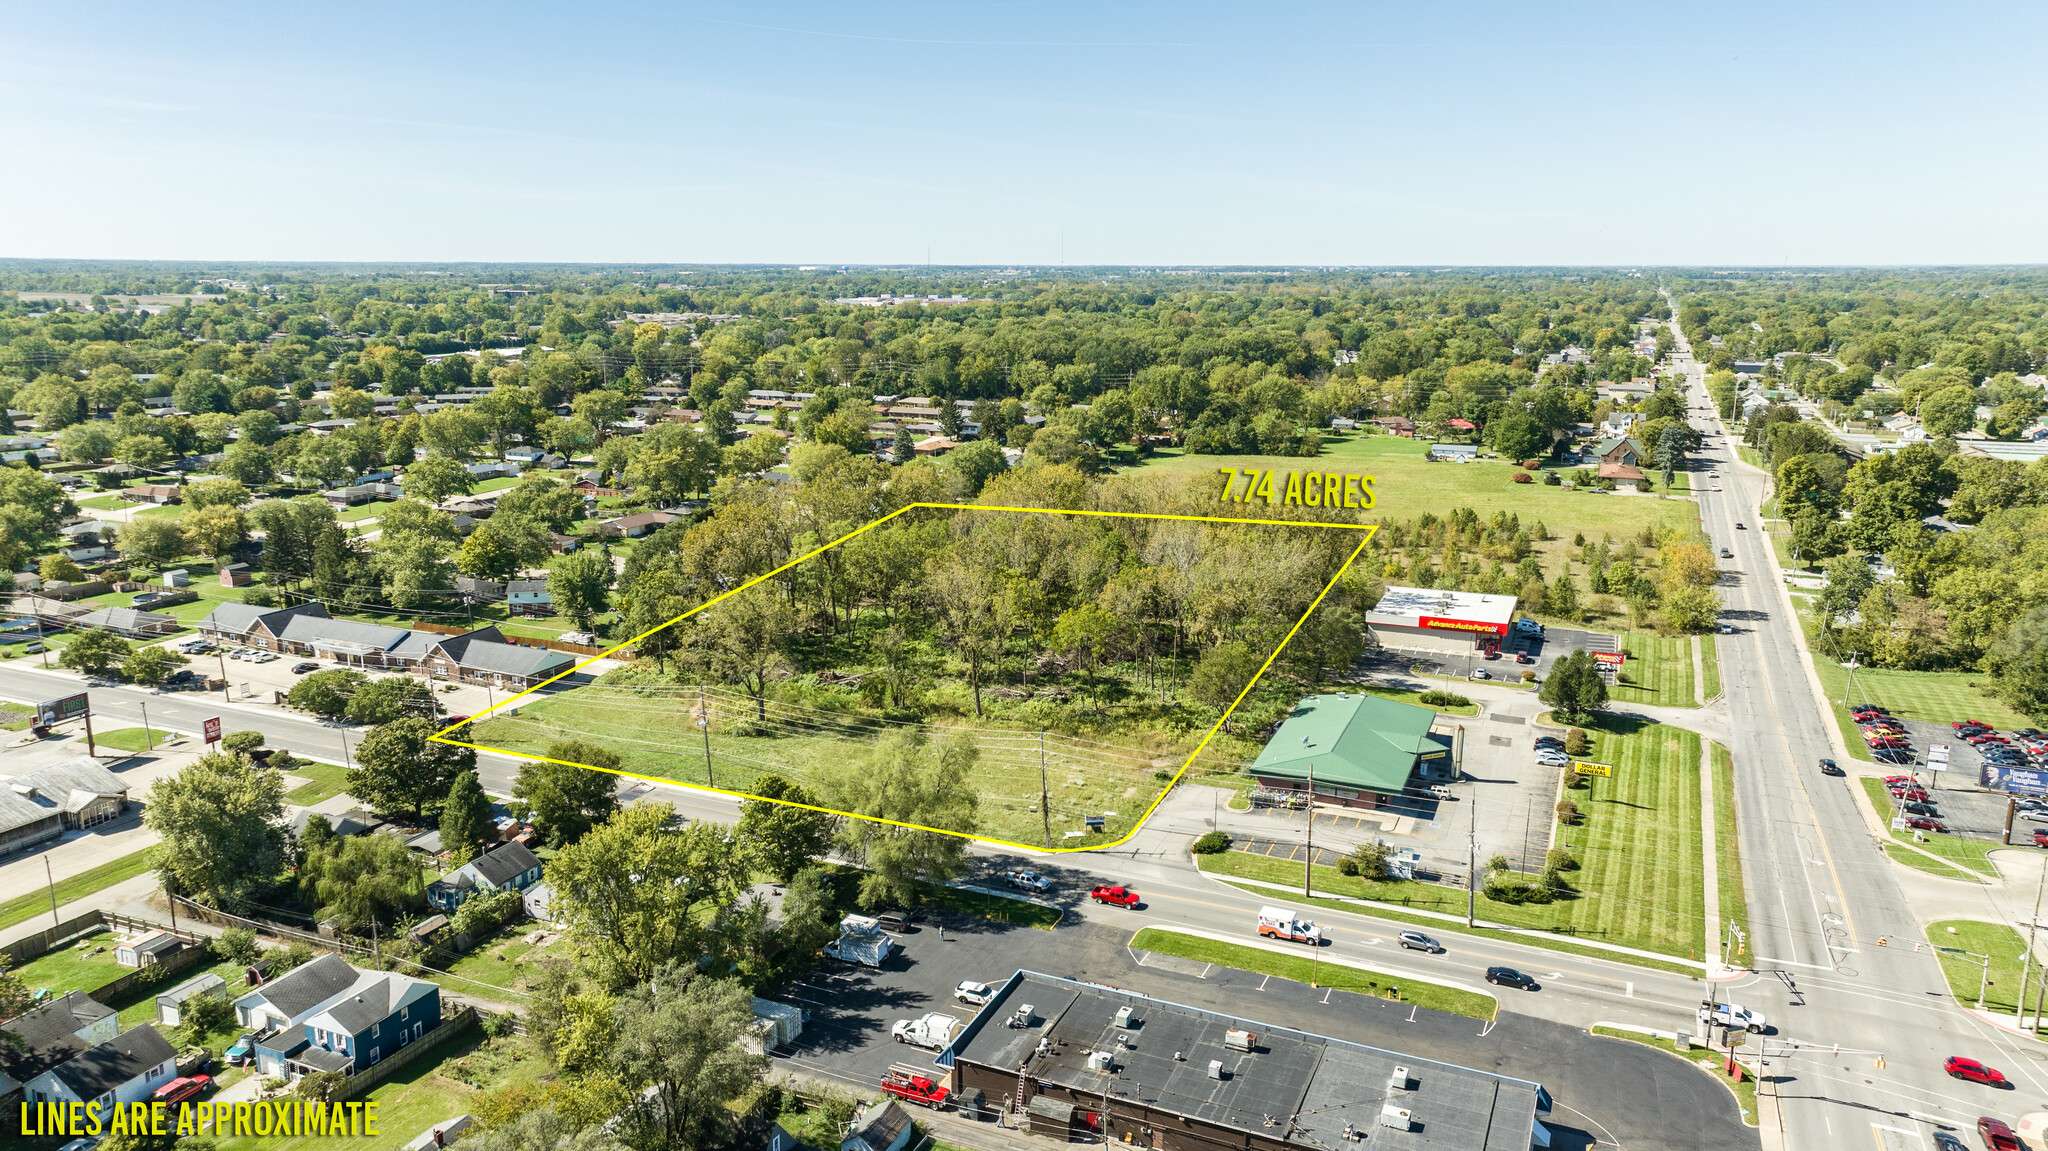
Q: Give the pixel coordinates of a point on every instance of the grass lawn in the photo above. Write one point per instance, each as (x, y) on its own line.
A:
(1659, 670)
(103, 503)
(1710, 663)
(1332, 974)
(22, 908)
(1415, 697)
(139, 1005)
(499, 484)
(1408, 485)
(362, 511)
(323, 781)
(136, 738)
(161, 512)
(1970, 855)
(498, 967)
(1711, 1062)
(1727, 849)
(1932, 696)
(72, 968)
(1640, 882)
(2003, 945)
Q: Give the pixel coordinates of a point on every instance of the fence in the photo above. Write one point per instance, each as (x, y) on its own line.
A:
(219, 918)
(50, 938)
(152, 974)
(517, 640)
(362, 1082)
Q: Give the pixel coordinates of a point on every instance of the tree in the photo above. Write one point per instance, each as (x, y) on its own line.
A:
(1562, 597)
(907, 781)
(645, 896)
(152, 541)
(220, 821)
(1223, 674)
(2018, 663)
(974, 465)
(399, 767)
(784, 839)
(579, 584)
(741, 641)
(150, 665)
(1519, 436)
(600, 408)
(358, 880)
(466, 817)
(564, 802)
(60, 567)
(1691, 609)
(903, 448)
(488, 554)
(218, 492)
(543, 501)
(242, 743)
(1575, 687)
(215, 530)
(94, 652)
(393, 697)
(436, 478)
(1949, 411)
(673, 461)
(85, 443)
(1848, 580)
(678, 1049)
(327, 693)
(1085, 632)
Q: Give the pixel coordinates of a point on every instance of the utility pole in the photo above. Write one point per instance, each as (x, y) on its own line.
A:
(346, 762)
(1308, 866)
(91, 748)
(223, 658)
(148, 736)
(1044, 792)
(704, 725)
(52, 877)
(2020, 1000)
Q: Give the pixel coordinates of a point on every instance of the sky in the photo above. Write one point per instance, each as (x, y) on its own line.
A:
(1183, 133)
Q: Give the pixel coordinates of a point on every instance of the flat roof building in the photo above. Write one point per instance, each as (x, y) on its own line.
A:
(1442, 622)
(1361, 749)
(1116, 1066)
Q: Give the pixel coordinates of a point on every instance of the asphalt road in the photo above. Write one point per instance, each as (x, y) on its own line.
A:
(1831, 937)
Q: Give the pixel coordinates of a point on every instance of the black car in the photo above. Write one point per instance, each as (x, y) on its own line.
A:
(1919, 809)
(303, 668)
(1509, 977)
(1549, 741)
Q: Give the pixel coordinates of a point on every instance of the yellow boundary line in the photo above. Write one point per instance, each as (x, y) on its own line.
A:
(1368, 529)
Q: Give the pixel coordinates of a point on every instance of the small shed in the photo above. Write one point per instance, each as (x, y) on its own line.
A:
(177, 577)
(1045, 1115)
(146, 948)
(884, 1126)
(236, 575)
(424, 930)
(170, 1006)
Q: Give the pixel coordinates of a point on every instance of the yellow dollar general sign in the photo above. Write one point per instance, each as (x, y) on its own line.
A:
(1309, 489)
(1603, 769)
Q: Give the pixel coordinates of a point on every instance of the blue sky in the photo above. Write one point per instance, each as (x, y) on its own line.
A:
(1136, 133)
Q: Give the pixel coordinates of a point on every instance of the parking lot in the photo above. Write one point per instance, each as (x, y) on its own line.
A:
(1962, 803)
(1600, 1085)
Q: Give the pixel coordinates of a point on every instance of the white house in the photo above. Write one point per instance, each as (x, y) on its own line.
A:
(125, 1069)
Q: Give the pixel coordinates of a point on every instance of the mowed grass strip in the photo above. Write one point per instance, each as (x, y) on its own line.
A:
(1659, 670)
(1941, 697)
(1327, 973)
(23, 908)
(1710, 665)
(135, 738)
(2004, 946)
(1727, 845)
(1971, 855)
(323, 781)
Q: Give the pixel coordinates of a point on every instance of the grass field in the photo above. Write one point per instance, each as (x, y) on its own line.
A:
(498, 484)
(1328, 973)
(1744, 1090)
(1932, 696)
(104, 503)
(361, 512)
(1969, 855)
(1415, 697)
(23, 908)
(1641, 878)
(1408, 485)
(2003, 946)
(323, 781)
(135, 738)
(1727, 849)
(74, 968)
(1659, 670)
(1710, 663)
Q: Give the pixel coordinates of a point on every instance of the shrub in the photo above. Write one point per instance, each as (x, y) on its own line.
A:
(235, 945)
(1523, 478)
(498, 1024)
(1507, 887)
(1567, 813)
(1497, 864)
(1532, 465)
(1444, 699)
(1214, 843)
(241, 742)
(481, 915)
(1559, 859)
(1552, 480)
(1577, 742)
(294, 956)
(202, 1015)
(1347, 866)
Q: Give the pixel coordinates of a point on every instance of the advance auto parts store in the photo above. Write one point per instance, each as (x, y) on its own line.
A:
(1440, 622)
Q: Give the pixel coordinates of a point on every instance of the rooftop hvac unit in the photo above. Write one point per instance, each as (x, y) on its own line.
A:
(1238, 1040)
(1022, 1017)
(1123, 1016)
(1101, 1061)
(1398, 1081)
(1216, 1070)
(1396, 1118)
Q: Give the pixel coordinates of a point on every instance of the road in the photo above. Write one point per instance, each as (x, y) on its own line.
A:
(1832, 939)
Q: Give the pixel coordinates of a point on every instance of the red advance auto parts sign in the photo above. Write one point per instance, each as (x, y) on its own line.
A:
(1433, 621)
(1610, 658)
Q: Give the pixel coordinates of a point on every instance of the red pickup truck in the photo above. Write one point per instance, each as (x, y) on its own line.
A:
(914, 1086)
(1121, 896)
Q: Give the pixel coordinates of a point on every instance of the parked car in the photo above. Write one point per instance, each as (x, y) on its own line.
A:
(181, 1089)
(1997, 1136)
(1963, 1067)
(1417, 941)
(1524, 657)
(1492, 654)
(1924, 823)
(1917, 808)
(973, 994)
(304, 666)
(1943, 1141)
(1028, 881)
(1509, 977)
(241, 1051)
(2041, 837)
(1480, 673)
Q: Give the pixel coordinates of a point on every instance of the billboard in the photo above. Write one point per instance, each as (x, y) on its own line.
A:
(1609, 658)
(52, 711)
(2022, 781)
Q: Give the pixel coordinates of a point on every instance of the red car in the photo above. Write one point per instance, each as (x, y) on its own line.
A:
(1121, 896)
(1997, 1136)
(1960, 1067)
(1922, 823)
(1894, 780)
(179, 1090)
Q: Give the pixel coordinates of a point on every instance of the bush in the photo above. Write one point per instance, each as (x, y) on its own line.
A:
(1523, 478)
(202, 1015)
(1507, 887)
(1577, 742)
(1567, 813)
(236, 945)
(298, 954)
(498, 1024)
(1497, 864)
(1559, 859)
(1214, 843)
(1347, 866)
(1444, 699)
(1550, 479)
(480, 915)
(1370, 859)
(241, 742)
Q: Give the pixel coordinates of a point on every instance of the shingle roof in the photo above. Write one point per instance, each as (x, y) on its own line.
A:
(508, 659)
(125, 619)
(118, 1060)
(62, 786)
(240, 617)
(307, 986)
(508, 860)
(375, 636)
(49, 1034)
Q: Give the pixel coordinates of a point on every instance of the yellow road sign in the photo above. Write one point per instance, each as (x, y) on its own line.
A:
(1584, 768)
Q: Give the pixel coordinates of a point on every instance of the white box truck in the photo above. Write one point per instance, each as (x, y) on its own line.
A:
(930, 1030)
(1281, 923)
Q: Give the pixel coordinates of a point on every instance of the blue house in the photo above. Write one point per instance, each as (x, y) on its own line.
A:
(508, 866)
(329, 1016)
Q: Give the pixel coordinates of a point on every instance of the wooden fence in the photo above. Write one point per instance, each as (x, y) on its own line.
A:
(364, 1081)
(219, 918)
(50, 938)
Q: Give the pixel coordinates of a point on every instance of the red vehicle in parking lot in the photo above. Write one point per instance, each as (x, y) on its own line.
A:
(179, 1090)
(914, 1086)
(1922, 823)
(1997, 1136)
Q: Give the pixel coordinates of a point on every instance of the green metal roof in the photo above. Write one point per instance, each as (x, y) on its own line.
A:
(1358, 741)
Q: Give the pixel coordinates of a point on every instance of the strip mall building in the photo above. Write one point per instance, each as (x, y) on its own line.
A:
(1440, 622)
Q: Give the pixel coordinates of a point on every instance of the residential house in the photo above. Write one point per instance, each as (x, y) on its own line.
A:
(591, 483)
(1623, 475)
(882, 1126)
(1460, 452)
(482, 656)
(530, 597)
(1396, 425)
(251, 625)
(524, 457)
(328, 427)
(1619, 423)
(328, 1016)
(634, 526)
(1461, 425)
(507, 867)
(153, 494)
(1619, 450)
(128, 621)
(112, 475)
(49, 1034)
(363, 493)
(86, 533)
(124, 1069)
(354, 821)
(69, 795)
(934, 446)
(492, 469)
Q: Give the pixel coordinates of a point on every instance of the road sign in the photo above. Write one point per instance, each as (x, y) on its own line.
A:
(1936, 764)
(212, 729)
(1937, 751)
(58, 710)
(1602, 769)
